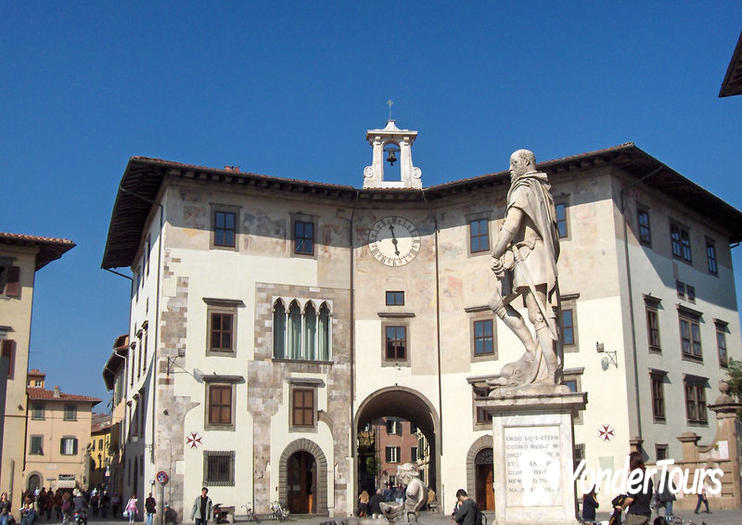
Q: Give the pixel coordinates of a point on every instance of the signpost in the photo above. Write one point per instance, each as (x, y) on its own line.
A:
(162, 479)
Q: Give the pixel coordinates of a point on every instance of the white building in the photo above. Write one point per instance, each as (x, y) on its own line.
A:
(271, 319)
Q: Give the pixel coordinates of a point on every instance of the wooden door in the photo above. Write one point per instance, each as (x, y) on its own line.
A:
(483, 480)
(301, 474)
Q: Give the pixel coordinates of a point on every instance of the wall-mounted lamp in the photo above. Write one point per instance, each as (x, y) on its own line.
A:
(610, 357)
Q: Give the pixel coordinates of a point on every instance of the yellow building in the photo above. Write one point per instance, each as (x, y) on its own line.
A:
(20, 257)
(57, 438)
(100, 450)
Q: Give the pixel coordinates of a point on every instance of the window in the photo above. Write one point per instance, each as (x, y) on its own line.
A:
(70, 412)
(92, 444)
(302, 334)
(279, 330)
(393, 427)
(482, 417)
(484, 341)
(695, 400)
(690, 337)
(658, 396)
(721, 343)
(310, 333)
(680, 241)
(144, 348)
(392, 480)
(413, 428)
(302, 407)
(221, 331)
(294, 331)
(37, 410)
(68, 446)
(10, 280)
(392, 454)
(396, 343)
(218, 468)
(304, 237)
(37, 445)
(479, 240)
(653, 329)
(395, 298)
(219, 405)
(323, 337)
(413, 454)
(8, 352)
(645, 231)
(571, 384)
(147, 254)
(100, 444)
(225, 228)
(568, 328)
(572, 378)
(691, 293)
(660, 452)
(680, 287)
(713, 266)
(579, 454)
(561, 217)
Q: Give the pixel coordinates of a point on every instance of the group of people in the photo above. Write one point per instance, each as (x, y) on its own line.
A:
(369, 505)
(639, 502)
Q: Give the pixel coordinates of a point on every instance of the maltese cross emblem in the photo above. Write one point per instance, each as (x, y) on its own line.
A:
(193, 440)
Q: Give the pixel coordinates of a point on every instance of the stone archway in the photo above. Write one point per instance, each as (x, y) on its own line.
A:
(304, 445)
(482, 443)
(34, 480)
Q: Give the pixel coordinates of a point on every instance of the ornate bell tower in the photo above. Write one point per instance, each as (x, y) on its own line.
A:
(392, 140)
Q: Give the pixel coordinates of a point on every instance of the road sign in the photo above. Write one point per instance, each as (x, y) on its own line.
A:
(162, 477)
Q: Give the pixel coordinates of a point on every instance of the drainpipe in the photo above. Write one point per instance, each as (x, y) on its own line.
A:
(631, 294)
(353, 429)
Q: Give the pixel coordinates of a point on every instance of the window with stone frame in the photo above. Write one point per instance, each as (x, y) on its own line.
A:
(695, 399)
(483, 333)
(680, 288)
(304, 237)
(218, 468)
(645, 230)
(660, 452)
(37, 445)
(221, 331)
(302, 333)
(690, 293)
(68, 446)
(721, 342)
(393, 427)
(10, 278)
(561, 219)
(653, 324)
(37, 411)
(224, 228)
(482, 418)
(395, 343)
(395, 298)
(657, 380)
(572, 377)
(711, 261)
(8, 352)
(690, 336)
(303, 407)
(680, 242)
(479, 239)
(569, 324)
(70, 412)
(220, 406)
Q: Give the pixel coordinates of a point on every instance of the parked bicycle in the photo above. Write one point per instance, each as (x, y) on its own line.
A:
(251, 516)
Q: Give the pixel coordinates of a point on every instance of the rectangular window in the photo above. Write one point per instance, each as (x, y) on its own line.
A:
(395, 298)
(12, 284)
(479, 239)
(658, 396)
(483, 417)
(645, 231)
(695, 401)
(571, 384)
(680, 240)
(721, 345)
(572, 378)
(8, 352)
(396, 343)
(561, 217)
(37, 411)
(302, 408)
(220, 405)
(660, 452)
(394, 427)
(653, 329)
(713, 265)
(484, 342)
(690, 337)
(568, 329)
(680, 288)
(691, 293)
(304, 237)
(70, 412)
(413, 454)
(68, 446)
(218, 468)
(37, 445)
(413, 428)
(225, 228)
(221, 332)
(392, 454)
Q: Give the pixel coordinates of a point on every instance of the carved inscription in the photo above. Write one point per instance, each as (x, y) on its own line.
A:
(532, 463)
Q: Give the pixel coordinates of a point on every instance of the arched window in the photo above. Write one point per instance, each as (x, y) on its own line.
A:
(294, 332)
(279, 330)
(310, 332)
(324, 333)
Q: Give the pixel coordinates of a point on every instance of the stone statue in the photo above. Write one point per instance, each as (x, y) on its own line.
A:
(525, 263)
(416, 492)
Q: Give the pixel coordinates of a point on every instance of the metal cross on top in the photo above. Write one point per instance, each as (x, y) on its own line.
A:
(390, 103)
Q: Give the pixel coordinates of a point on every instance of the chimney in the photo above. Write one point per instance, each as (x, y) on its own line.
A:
(56, 392)
(232, 168)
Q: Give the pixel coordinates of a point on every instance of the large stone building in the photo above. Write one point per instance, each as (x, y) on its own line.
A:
(272, 319)
(21, 256)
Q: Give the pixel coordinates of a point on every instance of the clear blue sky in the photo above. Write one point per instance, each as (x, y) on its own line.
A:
(289, 89)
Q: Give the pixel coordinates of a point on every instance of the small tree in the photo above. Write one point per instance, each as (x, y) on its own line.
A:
(735, 379)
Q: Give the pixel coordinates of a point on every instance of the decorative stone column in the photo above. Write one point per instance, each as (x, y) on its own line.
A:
(725, 441)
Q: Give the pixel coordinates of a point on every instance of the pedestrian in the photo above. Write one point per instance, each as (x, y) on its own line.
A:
(374, 509)
(94, 503)
(639, 494)
(131, 508)
(28, 513)
(58, 504)
(80, 504)
(363, 504)
(387, 494)
(150, 507)
(105, 503)
(66, 507)
(467, 510)
(116, 505)
(666, 497)
(702, 498)
(589, 504)
(399, 493)
(202, 512)
(5, 515)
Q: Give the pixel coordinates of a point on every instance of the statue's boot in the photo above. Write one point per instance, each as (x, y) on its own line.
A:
(548, 373)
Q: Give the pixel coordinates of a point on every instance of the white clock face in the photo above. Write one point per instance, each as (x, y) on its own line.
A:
(394, 241)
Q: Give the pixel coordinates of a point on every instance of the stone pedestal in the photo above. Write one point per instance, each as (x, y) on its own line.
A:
(533, 447)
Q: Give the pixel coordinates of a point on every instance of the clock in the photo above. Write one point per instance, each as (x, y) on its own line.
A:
(394, 241)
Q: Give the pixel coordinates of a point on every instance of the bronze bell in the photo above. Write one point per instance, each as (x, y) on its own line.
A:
(391, 156)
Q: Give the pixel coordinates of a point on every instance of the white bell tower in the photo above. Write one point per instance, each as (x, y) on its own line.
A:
(393, 140)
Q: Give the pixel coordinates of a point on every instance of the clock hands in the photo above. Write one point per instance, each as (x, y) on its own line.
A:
(394, 240)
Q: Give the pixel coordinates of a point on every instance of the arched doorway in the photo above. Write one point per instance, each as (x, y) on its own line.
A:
(34, 482)
(388, 406)
(301, 473)
(483, 479)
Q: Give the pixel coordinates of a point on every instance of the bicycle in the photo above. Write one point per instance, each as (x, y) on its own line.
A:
(251, 516)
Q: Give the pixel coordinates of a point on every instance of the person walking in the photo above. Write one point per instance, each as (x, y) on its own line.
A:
(589, 505)
(116, 505)
(150, 508)
(467, 510)
(28, 513)
(639, 494)
(5, 514)
(131, 508)
(702, 499)
(666, 497)
(202, 511)
(66, 508)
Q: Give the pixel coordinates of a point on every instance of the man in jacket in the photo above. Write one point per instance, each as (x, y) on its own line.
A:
(467, 511)
(202, 508)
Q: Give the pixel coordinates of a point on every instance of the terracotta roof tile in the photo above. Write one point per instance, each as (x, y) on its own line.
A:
(50, 248)
(42, 394)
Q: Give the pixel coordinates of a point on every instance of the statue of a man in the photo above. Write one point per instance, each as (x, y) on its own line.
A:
(524, 259)
(416, 494)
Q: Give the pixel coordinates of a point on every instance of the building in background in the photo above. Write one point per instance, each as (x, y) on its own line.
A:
(732, 83)
(397, 444)
(114, 376)
(100, 451)
(273, 319)
(58, 437)
(21, 256)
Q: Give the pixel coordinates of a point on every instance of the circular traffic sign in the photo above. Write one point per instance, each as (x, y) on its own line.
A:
(162, 477)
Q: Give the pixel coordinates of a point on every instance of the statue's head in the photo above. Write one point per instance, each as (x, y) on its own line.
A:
(406, 472)
(522, 161)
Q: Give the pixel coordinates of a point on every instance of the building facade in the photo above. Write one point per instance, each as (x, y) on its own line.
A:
(292, 314)
(100, 451)
(21, 256)
(114, 376)
(58, 438)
